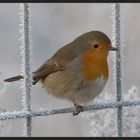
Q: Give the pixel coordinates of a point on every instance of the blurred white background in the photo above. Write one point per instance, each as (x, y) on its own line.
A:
(54, 25)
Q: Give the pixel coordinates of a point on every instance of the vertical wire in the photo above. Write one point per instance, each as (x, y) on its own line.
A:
(118, 67)
(28, 82)
(26, 64)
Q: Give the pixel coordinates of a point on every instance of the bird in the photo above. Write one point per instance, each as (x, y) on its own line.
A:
(78, 71)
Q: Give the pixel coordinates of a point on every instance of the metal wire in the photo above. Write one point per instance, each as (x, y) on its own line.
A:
(26, 67)
(42, 112)
(118, 67)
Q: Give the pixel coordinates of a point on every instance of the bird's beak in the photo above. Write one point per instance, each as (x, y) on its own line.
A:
(113, 49)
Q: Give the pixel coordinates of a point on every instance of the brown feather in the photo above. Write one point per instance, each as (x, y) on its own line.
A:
(46, 69)
(41, 73)
(15, 78)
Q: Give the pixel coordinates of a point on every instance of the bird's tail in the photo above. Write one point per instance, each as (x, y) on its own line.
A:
(15, 78)
(18, 77)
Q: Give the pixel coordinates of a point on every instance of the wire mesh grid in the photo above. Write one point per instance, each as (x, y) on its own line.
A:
(28, 113)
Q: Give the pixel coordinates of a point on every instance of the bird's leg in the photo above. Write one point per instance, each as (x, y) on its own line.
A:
(78, 109)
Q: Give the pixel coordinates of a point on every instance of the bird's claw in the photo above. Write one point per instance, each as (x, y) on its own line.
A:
(78, 108)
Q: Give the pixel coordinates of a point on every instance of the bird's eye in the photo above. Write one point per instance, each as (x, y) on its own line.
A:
(95, 45)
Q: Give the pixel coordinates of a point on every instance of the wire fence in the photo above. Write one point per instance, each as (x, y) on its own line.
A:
(118, 67)
(25, 47)
(28, 113)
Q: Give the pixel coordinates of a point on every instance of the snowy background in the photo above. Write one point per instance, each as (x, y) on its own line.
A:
(55, 25)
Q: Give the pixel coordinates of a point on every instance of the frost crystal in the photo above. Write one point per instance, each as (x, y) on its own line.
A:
(103, 122)
(26, 56)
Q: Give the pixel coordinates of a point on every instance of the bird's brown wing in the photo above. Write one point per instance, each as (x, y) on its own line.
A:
(57, 63)
(40, 74)
(44, 70)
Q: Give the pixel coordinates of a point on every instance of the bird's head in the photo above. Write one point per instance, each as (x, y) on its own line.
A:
(96, 43)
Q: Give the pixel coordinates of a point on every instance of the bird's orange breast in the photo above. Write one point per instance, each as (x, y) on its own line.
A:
(94, 65)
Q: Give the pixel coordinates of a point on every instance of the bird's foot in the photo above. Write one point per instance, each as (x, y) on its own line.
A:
(78, 109)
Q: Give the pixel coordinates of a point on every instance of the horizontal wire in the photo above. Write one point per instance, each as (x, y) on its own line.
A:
(43, 112)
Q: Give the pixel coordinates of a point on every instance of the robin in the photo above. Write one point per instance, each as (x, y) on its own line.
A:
(78, 71)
